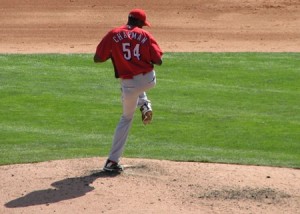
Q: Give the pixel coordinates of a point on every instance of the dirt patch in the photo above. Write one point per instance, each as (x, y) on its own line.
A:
(265, 195)
(149, 186)
(76, 26)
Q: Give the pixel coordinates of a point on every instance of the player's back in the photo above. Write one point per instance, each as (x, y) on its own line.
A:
(131, 50)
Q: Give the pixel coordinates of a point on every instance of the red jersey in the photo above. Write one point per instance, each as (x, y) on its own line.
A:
(132, 50)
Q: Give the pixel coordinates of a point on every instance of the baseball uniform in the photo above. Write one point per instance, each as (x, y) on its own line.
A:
(133, 52)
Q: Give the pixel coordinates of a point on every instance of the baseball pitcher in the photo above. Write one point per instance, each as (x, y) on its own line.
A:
(133, 52)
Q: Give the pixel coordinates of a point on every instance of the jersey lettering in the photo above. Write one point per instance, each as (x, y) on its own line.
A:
(132, 35)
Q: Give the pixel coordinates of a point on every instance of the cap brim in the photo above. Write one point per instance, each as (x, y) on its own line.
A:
(147, 24)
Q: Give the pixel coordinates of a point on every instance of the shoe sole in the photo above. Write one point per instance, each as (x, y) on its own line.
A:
(147, 117)
(113, 170)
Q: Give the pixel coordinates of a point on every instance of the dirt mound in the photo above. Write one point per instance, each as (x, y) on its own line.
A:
(147, 186)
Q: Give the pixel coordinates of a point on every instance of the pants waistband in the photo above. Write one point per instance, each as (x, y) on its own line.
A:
(136, 75)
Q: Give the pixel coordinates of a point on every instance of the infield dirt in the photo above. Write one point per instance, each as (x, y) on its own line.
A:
(149, 186)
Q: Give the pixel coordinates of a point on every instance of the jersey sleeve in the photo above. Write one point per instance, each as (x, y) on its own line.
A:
(104, 48)
(155, 51)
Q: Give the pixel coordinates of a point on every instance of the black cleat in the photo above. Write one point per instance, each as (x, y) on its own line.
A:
(111, 166)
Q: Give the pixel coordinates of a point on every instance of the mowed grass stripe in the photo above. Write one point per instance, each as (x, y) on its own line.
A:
(212, 107)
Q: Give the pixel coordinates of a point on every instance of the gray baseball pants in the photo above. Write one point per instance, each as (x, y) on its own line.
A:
(133, 96)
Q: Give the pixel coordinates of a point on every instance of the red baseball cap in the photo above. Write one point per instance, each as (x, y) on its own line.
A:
(139, 14)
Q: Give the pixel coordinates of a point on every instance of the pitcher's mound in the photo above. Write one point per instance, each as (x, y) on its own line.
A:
(147, 186)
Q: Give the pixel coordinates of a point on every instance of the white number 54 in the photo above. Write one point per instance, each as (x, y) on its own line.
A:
(127, 51)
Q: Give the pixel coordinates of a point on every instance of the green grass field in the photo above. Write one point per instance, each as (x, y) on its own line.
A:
(239, 108)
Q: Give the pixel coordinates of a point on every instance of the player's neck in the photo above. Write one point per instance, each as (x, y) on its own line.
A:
(129, 26)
